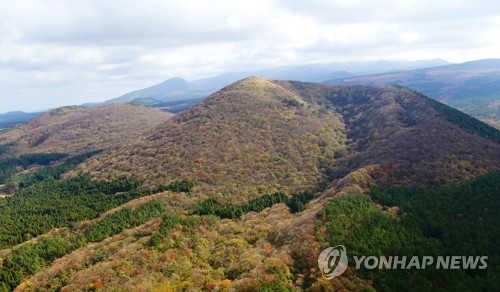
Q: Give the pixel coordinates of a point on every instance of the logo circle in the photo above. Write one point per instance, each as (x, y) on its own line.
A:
(332, 261)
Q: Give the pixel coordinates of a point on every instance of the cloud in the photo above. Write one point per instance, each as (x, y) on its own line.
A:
(57, 52)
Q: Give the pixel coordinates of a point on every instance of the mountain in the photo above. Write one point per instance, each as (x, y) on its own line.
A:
(10, 119)
(472, 87)
(179, 89)
(76, 130)
(172, 89)
(243, 191)
(262, 136)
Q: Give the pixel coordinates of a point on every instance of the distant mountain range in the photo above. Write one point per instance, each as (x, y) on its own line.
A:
(178, 89)
(10, 119)
(472, 87)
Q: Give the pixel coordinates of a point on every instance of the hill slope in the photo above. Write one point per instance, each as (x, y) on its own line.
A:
(473, 87)
(260, 136)
(75, 130)
(249, 140)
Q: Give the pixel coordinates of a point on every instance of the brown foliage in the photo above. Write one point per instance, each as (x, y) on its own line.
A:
(249, 138)
(77, 130)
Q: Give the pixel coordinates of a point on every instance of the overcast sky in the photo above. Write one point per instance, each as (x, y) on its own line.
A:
(62, 52)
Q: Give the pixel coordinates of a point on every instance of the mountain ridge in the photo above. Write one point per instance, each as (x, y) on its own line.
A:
(11, 119)
(342, 128)
(245, 189)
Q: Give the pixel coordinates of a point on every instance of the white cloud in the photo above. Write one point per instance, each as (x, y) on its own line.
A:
(55, 52)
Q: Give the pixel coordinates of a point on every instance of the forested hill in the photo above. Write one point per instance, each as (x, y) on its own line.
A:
(76, 130)
(472, 87)
(262, 136)
(246, 188)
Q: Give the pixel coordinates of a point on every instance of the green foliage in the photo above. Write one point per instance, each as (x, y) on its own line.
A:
(169, 222)
(298, 200)
(464, 120)
(63, 110)
(462, 216)
(212, 206)
(178, 187)
(123, 219)
(5, 147)
(292, 102)
(32, 257)
(42, 201)
(482, 107)
(11, 166)
(25, 180)
(51, 203)
(456, 219)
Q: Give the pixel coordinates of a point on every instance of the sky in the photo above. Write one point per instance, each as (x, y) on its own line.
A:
(62, 52)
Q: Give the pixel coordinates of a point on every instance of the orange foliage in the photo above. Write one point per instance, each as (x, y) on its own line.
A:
(225, 282)
(98, 284)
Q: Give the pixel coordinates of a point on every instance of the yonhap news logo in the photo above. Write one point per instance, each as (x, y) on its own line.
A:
(333, 262)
